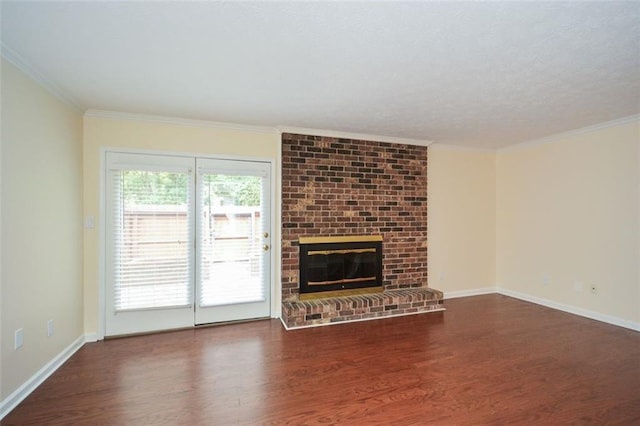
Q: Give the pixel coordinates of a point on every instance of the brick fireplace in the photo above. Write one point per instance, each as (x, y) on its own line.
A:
(345, 187)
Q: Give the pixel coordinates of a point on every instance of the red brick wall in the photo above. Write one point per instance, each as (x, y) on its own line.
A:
(333, 187)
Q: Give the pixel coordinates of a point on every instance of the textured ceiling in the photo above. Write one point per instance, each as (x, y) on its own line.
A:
(475, 74)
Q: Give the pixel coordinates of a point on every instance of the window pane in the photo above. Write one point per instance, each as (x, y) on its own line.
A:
(230, 239)
(152, 242)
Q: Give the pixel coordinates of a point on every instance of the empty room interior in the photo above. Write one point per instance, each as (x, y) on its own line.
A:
(320, 212)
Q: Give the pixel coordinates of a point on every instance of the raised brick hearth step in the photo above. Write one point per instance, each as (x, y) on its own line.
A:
(389, 303)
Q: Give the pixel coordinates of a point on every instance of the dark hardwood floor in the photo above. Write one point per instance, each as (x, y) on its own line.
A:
(486, 360)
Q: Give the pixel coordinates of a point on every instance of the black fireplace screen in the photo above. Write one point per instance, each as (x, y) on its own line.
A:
(340, 263)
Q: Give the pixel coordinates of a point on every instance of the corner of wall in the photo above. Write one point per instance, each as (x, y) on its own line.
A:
(568, 219)
(462, 219)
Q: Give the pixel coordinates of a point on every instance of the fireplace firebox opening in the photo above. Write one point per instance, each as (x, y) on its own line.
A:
(342, 265)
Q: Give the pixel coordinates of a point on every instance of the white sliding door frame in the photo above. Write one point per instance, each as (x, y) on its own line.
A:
(276, 221)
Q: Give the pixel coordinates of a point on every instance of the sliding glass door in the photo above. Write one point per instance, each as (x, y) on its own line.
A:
(187, 241)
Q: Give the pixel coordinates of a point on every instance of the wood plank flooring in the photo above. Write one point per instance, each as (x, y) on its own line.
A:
(486, 360)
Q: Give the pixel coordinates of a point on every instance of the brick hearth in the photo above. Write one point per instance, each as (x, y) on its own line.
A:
(335, 187)
(362, 307)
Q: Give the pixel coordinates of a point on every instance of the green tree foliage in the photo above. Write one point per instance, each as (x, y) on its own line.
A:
(226, 190)
(153, 188)
(162, 188)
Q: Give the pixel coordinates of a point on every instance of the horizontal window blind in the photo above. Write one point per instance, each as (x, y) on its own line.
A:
(230, 239)
(153, 243)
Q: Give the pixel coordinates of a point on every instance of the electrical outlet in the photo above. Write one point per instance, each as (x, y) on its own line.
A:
(441, 276)
(18, 338)
(593, 289)
(546, 280)
(49, 328)
(578, 286)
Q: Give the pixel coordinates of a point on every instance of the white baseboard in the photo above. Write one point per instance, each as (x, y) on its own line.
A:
(466, 293)
(91, 337)
(10, 402)
(570, 309)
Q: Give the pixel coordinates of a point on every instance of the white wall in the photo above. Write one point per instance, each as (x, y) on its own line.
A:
(462, 219)
(41, 266)
(542, 221)
(568, 213)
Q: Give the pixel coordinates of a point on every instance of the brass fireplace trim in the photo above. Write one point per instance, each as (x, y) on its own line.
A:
(340, 239)
(341, 251)
(340, 293)
(344, 280)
